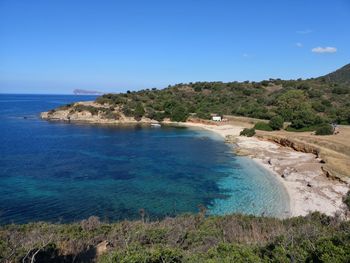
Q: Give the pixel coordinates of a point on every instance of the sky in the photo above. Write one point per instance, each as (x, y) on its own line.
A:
(56, 46)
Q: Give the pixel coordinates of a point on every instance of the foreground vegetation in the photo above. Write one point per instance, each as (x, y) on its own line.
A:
(187, 238)
(306, 104)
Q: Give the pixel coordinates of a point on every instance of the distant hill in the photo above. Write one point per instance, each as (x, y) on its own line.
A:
(86, 92)
(341, 75)
(305, 103)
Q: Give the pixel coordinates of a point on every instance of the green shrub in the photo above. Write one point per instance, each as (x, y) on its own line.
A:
(139, 111)
(158, 116)
(136, 253)
(127, 111)
(109, 113)
(318, 106)
(263, 126)
(93, 110)
(329, 251)
(325, 129)
(304, 118)
(179, 113)
(247, 132)
(340, 90)
(203, 115)
(276, 122)
(227, 253)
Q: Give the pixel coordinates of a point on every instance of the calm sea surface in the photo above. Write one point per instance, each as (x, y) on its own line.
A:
(64, 172)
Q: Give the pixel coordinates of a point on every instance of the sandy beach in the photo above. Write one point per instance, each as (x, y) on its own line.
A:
(300, 173)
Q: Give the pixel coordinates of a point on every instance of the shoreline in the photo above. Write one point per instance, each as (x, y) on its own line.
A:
(300, 174)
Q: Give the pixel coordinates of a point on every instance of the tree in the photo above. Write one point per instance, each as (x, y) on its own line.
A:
(304, 117)
(293, 106)
(325, 129)
(290, 102)
(276, 122)
(179, 113)
(139, 111)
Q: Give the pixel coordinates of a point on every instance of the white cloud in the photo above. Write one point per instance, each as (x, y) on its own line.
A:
(245, 55)
(304, 32)
(299, 44)
(324, 50)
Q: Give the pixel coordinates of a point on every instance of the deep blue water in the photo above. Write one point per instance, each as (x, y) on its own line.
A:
(57, 171)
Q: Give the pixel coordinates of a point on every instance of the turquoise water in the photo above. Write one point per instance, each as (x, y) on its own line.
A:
(56, 171)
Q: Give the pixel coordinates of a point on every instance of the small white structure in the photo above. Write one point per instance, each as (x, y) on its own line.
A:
(216, 118)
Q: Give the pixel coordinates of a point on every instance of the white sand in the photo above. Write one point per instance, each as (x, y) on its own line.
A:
(308, 188)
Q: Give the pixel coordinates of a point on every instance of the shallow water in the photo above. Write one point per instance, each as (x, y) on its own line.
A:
(57, 171)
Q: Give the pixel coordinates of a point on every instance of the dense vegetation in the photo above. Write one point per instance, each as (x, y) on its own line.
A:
(247, 132)
(306, 104)
(187, 238)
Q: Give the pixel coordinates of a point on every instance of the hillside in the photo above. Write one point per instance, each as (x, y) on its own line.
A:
(304, 103)
(188, 238)
(340, 76)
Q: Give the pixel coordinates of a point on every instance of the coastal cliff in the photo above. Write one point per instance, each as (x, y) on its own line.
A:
(334, 156)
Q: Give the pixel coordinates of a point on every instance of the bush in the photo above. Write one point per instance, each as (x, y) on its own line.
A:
(90, 224)
(139, 111)
(228, 253)
(127, 111)
(263, 126)
(179, 113)
(325, 129)
(137, 253)
(247, 132)
(158, 116)
(276, 122)
(329, 251)
(340, 90)
(203, 115)
(80, 108)
(108, 114)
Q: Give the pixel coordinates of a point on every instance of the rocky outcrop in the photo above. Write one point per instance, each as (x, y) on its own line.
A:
(331, 160)
(294, 144)
(91, 112)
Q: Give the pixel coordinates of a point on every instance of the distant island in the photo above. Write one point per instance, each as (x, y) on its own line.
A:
(86, 92)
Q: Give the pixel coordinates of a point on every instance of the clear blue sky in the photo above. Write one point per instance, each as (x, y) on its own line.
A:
(55, 46)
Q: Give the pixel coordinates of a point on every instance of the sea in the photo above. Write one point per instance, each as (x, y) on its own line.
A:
(65, 172)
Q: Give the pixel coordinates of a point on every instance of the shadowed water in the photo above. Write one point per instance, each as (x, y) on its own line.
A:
(57, 171)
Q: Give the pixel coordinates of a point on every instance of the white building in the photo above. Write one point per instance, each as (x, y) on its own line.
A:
(216, 118)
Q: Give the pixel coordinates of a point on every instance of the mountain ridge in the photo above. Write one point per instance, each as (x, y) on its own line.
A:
(341, 75)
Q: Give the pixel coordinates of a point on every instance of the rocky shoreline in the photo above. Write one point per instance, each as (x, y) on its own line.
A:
(300, 172)
(92, 112)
